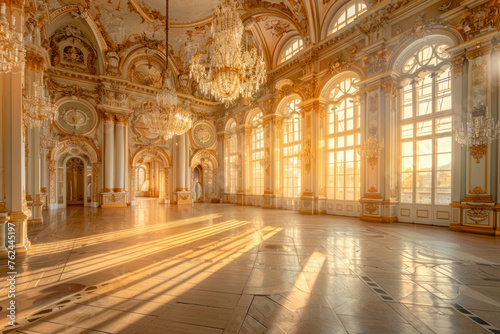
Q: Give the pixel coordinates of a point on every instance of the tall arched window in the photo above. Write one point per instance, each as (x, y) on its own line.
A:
(232, 160)
(343, 142)
(292, 137)
(292, 47)
(257, 155)
(426, 127)
(141, 178)
(347, 14)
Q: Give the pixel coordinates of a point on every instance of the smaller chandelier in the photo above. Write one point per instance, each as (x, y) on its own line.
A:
(481, 131)
(38, 107)
(371, 148)
(11, 47)
(167, 119)
(47, 139)
(168, 122)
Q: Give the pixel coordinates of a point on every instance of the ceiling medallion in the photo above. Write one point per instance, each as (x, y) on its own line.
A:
(231, 72)
(166, 118)
(11, 48)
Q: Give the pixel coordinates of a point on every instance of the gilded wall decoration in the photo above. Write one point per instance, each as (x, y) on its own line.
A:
(481, 19)
(339, 64)
(278, 28)
(71, 49)
(477, 215)
(376, 62)
(457, 65)
(58, 91)
(371, 208)
(306, 155)
(293, 9)
(478, 191)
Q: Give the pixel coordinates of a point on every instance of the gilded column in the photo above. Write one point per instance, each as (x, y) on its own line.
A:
(310, 201)
(119, 184)
(240, 166)
(52, 185)
(268, 198)
(389, 157)
(459, 98)
(276, 163)
(226, 197)
(95, 185)
(478, 206)
(37, 170)
(182, 194)
(372, 189)
(109, 153)
(496, 71)
(14, 145)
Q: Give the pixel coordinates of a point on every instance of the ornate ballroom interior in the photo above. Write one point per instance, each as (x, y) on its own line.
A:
(280, 166)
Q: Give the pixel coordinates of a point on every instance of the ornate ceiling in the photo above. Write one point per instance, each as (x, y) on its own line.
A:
(124, 24)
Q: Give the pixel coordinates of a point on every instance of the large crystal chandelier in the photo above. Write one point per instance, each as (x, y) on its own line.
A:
(167, 118)
(38, 107)
(481, 131)
(231, 72)
(11, 47)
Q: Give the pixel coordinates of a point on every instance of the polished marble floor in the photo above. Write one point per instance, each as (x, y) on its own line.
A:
(214, 268)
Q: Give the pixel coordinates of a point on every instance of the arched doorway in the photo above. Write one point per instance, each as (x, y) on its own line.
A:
(74, 173)
(205, 183)
(197, 193)
(76, 181)
(149, 174)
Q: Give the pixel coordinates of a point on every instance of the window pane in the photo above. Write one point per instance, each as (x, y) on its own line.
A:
(443, 145)
(424, 147)
(407, 131)
(444, 161)
(424, 128)
(443, 125)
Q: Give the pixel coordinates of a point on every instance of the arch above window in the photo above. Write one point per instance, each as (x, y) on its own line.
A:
(291, 49)
(428, 55)
(288, 105)
(347, 14)
(231, 125)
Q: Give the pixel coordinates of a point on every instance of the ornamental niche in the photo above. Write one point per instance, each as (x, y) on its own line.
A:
(71, 49)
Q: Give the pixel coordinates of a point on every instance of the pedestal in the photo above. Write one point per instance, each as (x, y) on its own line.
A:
(114, 200)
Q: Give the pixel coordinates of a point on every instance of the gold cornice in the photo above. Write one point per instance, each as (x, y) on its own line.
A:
(479, 52)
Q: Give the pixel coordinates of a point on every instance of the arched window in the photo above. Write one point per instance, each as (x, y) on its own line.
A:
(257, 155)
(343, 142)
(141, 178)
(347, 14)
(292, 137)
(426, 127)
(232, 160)
(291, 49)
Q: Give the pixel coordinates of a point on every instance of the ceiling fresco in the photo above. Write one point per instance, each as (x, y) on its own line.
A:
(124, 24)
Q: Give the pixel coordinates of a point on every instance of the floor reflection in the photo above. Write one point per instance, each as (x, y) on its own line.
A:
(212, 268)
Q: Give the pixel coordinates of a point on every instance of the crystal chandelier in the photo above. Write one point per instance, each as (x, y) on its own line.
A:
(371, 148)
(231, 72)
(481, 131)
(167, 118)
(37, 107)
(11, 48)
(167, 123)
(47, 139)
